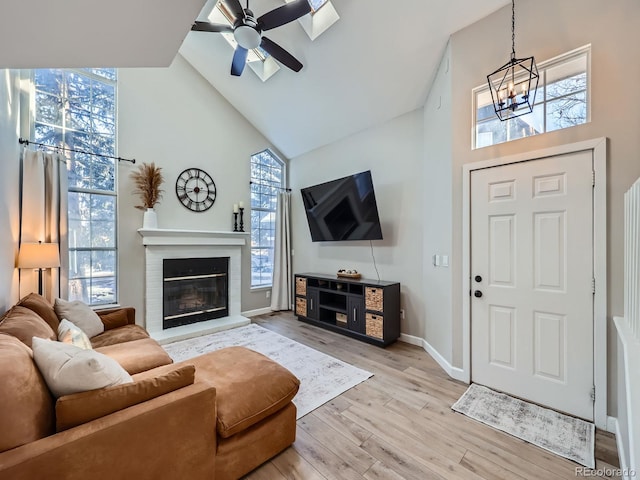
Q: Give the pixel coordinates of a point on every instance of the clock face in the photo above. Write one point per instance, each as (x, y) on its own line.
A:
(196, 190)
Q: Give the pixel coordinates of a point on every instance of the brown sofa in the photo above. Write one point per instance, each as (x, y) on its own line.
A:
(219, 420)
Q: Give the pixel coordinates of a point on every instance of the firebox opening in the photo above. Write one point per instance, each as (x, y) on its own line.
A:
(194, 290)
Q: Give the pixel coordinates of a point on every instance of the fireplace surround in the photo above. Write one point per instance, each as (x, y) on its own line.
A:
(168, 244)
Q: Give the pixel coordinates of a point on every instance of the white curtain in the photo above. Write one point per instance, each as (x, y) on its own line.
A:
(282, 275)
(43, 217)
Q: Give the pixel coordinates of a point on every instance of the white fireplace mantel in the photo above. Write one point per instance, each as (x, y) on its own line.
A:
(167, 236)
(161, 244)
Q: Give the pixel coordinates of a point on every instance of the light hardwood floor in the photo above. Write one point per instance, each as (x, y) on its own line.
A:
(399, 424)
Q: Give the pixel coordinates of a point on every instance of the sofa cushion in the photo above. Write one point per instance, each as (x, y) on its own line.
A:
(138, 355)
(79, 314)
(79, 408)
(69, 333)
(27, 405)
(249, 386)
(129, 312)
(69, 369)
(114, 319)
(42, 307)
(24, 324)
(127, 333)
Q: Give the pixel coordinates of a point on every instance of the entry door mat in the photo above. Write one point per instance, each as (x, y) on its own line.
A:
(563, 435)
(322, 377)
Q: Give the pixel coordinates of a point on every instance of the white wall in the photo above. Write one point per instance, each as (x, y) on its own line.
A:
(9, 181)
(394, 154)
(613, 29)
(173, 117)
(437, 221)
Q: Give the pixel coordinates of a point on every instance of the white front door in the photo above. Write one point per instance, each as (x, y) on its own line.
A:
(531, 281)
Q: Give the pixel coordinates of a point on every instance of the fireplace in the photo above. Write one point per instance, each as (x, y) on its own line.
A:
(169, 244)
(194, 290)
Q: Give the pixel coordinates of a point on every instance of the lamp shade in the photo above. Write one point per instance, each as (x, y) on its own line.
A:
(39, 255)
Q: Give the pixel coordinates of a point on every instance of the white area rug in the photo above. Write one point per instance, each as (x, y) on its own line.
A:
(563, 435)
(321, 377)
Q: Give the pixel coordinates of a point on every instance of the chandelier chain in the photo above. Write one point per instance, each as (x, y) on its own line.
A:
(513, 29)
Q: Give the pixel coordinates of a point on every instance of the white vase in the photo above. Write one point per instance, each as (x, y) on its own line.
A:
(150, 219)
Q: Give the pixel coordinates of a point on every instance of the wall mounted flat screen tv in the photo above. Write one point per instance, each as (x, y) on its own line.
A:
(343, 209)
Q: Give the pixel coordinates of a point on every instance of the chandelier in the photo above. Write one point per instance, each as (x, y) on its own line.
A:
(513, 86)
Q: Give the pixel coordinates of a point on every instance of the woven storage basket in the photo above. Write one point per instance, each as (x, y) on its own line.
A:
(341, 319)
(374, 325)
(301, 286)
(301, 306)
(373, 299)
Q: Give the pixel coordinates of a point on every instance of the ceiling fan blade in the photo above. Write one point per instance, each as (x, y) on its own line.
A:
(210, 27)
(235, 8)
(239, 61)
(285, 14)
(280, 54)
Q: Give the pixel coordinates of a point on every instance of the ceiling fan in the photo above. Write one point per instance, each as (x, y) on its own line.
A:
(247, 30)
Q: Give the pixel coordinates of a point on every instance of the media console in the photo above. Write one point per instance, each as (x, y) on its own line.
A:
(363, 309)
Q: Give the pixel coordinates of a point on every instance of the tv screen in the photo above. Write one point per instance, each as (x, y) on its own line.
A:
(343, 209)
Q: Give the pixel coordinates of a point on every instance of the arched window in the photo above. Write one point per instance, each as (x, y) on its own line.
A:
(267, 179)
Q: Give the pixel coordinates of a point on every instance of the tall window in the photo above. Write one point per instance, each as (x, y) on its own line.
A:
(267, 179)
(562, 101)
(76, 109)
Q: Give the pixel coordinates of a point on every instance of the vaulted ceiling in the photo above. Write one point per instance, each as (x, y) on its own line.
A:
(376, 63)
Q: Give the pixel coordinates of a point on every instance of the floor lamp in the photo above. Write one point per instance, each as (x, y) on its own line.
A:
(39, 256)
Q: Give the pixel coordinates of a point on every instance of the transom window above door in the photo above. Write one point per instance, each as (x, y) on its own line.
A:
(562, 101)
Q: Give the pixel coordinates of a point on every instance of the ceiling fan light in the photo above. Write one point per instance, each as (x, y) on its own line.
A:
(247, 37)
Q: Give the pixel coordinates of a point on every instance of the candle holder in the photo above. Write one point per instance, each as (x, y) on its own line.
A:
(235, 221)
(241, 220)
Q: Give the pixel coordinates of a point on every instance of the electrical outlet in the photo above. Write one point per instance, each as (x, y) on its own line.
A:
(268, 293)
(402, 313)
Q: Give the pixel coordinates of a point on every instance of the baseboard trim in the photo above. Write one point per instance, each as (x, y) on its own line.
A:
(454, 372)
(411, 339)
(257, 311)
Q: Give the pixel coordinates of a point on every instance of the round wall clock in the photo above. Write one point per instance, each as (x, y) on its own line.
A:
(196, 189)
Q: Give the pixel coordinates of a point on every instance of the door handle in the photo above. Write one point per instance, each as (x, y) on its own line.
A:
(477, 294)
(355, 315)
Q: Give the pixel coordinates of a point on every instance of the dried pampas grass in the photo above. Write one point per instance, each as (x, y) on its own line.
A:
(147, 180)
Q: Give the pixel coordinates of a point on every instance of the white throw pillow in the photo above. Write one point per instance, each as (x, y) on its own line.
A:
(72, 335)
(81, 315)
(69, 369)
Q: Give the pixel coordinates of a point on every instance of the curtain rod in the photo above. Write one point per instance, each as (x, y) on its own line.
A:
(23, 141)
(270, 186)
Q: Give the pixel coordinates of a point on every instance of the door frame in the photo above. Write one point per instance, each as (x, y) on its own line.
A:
(599, 148)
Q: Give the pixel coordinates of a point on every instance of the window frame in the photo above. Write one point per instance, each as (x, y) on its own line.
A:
(112, 82)
(543, 102)
(258, 182)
